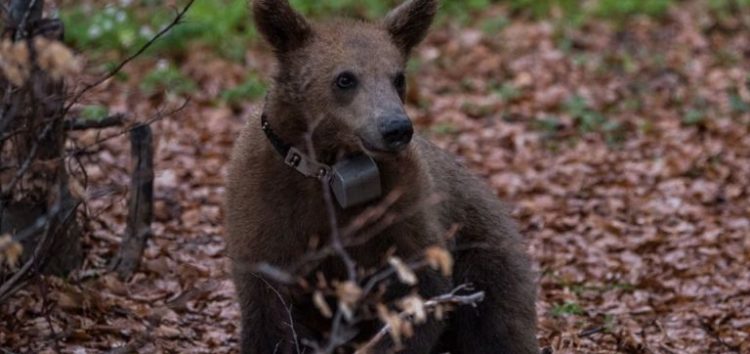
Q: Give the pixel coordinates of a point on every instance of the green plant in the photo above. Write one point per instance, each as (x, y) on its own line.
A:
(567, 309)
(166, 77)
(444, 128)
(542, 8)
(738, 104)
(694, 117)
(548, 125)
(506, 91)
(587, 120)
(727, 5)
(110, 28)
(492, 26)
(253, 88)
(224, 25)
(618, 8)
(94, 112)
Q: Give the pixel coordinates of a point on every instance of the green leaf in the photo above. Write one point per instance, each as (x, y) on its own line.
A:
(694, 117)
(567, 309)
(94, 112)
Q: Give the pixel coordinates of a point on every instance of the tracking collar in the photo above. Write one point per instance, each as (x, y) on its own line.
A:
(354, 181)
(294, 158)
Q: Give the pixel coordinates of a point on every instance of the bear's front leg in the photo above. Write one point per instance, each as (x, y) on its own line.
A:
(505, 322)
(426, 335)
(264, 318)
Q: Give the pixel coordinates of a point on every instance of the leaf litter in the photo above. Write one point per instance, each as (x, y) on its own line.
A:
(623, 152)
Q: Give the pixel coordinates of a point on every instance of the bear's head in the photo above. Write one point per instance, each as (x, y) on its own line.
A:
(343, 80)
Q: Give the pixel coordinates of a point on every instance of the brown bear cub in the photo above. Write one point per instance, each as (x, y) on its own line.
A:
(339, 92)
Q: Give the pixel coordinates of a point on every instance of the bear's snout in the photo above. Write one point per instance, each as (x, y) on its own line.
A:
(396, 131)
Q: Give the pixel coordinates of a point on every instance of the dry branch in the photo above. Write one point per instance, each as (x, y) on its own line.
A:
(141, 204)
(164, 31)
(355, 294)
(116, 120)
(53, 224)
(23, 13)
(450, 299)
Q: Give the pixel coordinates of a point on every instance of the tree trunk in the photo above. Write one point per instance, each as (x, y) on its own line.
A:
(32, 169)
(141, 205)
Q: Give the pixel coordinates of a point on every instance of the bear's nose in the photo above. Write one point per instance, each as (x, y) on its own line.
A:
(397, 132)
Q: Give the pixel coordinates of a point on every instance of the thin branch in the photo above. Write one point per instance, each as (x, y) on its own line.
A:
(21, 25)
(157, 117)
(6, 118)
(26, 164)
(39, 225)
(336, 244)
(351, 240)
(19, 279)
(451, 298)
(387, 273)
(13, 284)
(336, 339)
(47, 307)
(116, 120)
(180, 15)
(288, 311)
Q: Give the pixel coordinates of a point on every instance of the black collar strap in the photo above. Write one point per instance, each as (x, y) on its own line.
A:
(293, 157)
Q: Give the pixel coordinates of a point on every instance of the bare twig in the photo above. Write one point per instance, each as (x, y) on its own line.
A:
(350, 238)
(116, 120)
(17, 281)
(312, 258)
(359, 231)
(387, 273)
(32, 10)
(335, 241)
(451, 298)
(28, 162)
(47, 307)
(336, 337)
(39, 225)
(592, 331)
(141, 206)
(177, 19)
(155, 118)
(288, 311)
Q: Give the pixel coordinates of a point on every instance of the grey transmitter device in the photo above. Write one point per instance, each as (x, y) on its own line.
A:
(355, 181)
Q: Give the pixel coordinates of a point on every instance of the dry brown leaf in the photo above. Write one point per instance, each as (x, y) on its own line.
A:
(55, 58)
(405, 274)
(14, 61)
(414, 305)
(322, 304)
(10, 251)
(348, 293)
(439, 258)
(394, 321)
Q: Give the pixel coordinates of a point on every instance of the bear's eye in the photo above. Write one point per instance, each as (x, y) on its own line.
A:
(346, 81)
(400, 82)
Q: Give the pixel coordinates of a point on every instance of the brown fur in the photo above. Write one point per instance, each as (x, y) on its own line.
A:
(273, 212)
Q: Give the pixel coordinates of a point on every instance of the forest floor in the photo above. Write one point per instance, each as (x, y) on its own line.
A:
(624, 152)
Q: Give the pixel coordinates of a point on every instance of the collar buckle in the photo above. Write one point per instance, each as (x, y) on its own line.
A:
(306, 165)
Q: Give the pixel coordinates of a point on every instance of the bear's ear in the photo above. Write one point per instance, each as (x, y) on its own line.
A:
(408, 23)
(280, 25)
